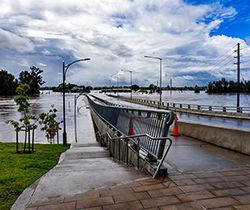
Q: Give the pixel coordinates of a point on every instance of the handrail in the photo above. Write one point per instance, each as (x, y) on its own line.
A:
(138, 146)
(156, 122)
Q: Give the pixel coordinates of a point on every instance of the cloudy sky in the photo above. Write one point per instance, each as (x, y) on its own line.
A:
(196, 40)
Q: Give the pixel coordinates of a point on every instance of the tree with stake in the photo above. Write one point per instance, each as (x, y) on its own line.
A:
(51, 126)
(24, 123)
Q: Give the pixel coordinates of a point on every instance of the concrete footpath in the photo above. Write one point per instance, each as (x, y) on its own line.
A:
(87, 178)
(84, 167)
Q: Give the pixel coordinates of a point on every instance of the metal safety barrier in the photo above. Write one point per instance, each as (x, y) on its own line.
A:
(147, 122)
(138, 148)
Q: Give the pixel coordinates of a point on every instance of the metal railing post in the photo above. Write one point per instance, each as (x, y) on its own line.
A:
(127, 151)
(119, 149)
(138, 154)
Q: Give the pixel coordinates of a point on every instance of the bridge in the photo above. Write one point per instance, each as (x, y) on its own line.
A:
(236, 139)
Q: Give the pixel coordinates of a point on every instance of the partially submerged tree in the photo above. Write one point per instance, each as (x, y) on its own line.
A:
(8, 83)
(135, 87)
(32, 78)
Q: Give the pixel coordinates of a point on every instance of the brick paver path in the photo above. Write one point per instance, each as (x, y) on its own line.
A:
(219, 189)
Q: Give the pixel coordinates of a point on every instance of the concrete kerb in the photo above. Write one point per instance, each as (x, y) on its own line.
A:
(24, 199)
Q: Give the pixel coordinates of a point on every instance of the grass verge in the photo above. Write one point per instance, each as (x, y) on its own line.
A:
(18, 171)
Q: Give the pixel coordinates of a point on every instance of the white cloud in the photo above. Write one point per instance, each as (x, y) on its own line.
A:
(115, 35)
(46, 52)
(42, 64)
(13, 41)
(188, 77)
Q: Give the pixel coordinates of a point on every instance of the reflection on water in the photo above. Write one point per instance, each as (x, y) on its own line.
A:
(38, 104)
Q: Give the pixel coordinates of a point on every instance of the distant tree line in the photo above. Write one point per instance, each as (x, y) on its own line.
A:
(69, 88)
(224, 86)
(8, 82)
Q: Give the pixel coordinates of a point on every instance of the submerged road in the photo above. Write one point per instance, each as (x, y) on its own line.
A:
(189, 154)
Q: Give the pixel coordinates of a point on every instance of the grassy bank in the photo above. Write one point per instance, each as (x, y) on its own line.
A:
(18, 171)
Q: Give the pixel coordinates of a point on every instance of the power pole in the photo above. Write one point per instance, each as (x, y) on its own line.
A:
(170, 86)
(238, 77)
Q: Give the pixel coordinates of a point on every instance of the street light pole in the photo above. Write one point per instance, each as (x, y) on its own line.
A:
(64, 123)
(75, 107)
(117, 82)
(130, 81)
(109, 82)
(160, 70)
(65, 68)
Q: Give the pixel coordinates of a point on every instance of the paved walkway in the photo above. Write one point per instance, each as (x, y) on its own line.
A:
(219, 189)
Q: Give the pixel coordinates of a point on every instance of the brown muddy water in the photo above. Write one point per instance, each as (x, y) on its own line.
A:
(38, 104)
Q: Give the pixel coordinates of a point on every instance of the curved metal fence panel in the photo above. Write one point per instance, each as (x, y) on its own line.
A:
(131, 121)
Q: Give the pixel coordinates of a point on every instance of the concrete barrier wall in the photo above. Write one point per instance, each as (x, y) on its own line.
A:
(230, 138)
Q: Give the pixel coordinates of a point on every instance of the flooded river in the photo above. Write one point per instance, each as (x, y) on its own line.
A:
(42, 103)
(202, 98)
(38, 104)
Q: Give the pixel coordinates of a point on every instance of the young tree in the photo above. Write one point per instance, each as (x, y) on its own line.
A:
(24, 122)
(51, 126)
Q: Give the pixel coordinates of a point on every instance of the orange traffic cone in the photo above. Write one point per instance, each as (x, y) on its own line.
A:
(131, 129)
(175, 130)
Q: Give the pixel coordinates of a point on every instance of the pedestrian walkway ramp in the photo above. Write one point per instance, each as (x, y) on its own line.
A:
(135, 136)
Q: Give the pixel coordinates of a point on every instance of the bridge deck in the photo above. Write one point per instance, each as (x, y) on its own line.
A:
(189, 155)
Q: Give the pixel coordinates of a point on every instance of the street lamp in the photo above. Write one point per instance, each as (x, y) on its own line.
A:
(109, 82)
(160, 70)
(75, 99)
(130, 80)
(65, 68)
(117, 82)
